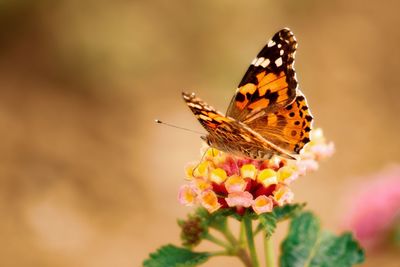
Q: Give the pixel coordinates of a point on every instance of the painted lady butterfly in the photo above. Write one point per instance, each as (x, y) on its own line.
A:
(268, 115)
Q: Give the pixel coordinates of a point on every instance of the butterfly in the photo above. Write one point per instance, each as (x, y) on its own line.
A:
(268, 115)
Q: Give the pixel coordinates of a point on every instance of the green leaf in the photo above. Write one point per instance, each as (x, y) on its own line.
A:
(306, 245)
(337, 251)
(269, 220)
(268, 223)
(287, 211)
(173, 256)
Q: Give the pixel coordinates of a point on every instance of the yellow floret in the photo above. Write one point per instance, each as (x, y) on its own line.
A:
(212, 152)
(248, 171)
(285, 172)
(202, 169)
(218, 175)
(267, 177)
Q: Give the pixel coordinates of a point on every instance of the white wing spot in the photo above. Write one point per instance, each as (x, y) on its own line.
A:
(254, 61)
(281, 52)
(265, 63)
(204, 118)
(279, 45)
(259, 61)
(194, 105)
(271, 43)
(278, 62)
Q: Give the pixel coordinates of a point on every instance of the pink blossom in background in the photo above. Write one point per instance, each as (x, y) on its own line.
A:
(375, 208)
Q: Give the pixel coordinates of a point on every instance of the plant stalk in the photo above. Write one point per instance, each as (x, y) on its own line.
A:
(217, 241)
(250, 240)
(228, 234)
(244, 257)
(269, 251)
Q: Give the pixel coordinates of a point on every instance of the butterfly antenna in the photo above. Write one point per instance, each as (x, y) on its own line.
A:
(177, 127)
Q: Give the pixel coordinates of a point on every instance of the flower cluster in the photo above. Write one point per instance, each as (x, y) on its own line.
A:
(221, 180)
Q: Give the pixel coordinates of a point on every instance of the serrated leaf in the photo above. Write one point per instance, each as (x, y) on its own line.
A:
(173, 256)
(287, 211)
(298, 245)
(268, 223)
(337, 251)
(307, 246)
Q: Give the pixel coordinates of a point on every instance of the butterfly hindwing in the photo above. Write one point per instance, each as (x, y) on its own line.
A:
(270, 82)
(289, 127)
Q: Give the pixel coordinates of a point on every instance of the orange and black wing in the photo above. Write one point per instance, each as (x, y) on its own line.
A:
(208, 117)
(270, 82)
(232, 136)
(289, 127)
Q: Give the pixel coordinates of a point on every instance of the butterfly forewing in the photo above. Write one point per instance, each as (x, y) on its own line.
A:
(270, 81)
(207, 115)
(230, 135)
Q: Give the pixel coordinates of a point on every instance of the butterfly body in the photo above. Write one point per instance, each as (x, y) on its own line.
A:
(268, 115)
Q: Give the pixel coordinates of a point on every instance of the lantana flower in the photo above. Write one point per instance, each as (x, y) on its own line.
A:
(223, 181)
(374, 210)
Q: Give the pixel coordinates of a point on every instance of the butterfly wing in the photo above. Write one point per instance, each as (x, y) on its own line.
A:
(230, 135)
(289, 127)
(208, 117)
(268, 100)
(270, 82)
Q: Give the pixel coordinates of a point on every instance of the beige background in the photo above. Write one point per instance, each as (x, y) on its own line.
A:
(88, 179)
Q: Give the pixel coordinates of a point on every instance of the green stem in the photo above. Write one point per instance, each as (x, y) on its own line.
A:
(224, 229)
(244, 257)
(220, 253)
(228, 235)
(250, 240)
(215, 240)
(269, 251)
(242, 234)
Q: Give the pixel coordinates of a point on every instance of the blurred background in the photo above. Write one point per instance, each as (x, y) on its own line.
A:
(86, 176)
